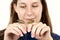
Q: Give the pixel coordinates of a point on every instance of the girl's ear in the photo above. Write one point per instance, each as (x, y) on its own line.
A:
(15, 7)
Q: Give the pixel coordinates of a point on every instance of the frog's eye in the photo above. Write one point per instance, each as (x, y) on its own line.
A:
(30, 21)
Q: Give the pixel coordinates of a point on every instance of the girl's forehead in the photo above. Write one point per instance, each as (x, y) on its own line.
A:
(28, 1)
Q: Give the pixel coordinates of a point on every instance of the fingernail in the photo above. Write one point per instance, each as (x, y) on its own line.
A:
(25, 32)
(32, 36)
(28, 30)
(22, 35)
(29, 27)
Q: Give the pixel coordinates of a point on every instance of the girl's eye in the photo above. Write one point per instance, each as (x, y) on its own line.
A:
(35, 6)
(22, 6)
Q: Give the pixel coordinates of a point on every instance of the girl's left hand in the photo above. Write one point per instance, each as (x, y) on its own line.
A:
(40, 31)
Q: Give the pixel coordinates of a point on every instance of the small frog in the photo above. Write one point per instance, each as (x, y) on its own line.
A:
(30, 21)
(21, 21)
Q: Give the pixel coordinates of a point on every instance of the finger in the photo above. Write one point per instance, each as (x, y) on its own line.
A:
(45, 30)
(39, 29)
(12, 32)
(17, 30)
(34, 30)
(12, 27)
(24, 26)
(29, 27)
(21, 28)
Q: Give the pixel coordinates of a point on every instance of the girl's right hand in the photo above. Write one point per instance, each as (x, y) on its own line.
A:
(14, 31)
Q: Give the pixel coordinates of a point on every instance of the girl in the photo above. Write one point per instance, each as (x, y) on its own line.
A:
(29, 20)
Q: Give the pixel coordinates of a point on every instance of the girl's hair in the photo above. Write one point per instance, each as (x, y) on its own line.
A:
(45, 16)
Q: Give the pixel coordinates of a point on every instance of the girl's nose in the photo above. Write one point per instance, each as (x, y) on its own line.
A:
(29, 12)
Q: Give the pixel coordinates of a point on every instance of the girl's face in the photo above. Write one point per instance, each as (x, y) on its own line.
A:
(29, 10)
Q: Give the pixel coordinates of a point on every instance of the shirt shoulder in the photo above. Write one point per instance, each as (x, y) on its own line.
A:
(55, 36)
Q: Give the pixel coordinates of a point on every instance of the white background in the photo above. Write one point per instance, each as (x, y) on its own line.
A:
(53, 7)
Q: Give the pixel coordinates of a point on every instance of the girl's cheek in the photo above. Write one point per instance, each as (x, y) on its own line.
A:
(21, 13)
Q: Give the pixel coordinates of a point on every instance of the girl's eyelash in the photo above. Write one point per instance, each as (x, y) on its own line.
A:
(22, 6)
(25, 6)
(34, 6)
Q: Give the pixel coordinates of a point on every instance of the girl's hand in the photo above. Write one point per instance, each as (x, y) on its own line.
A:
(40, 31)
(14, 31)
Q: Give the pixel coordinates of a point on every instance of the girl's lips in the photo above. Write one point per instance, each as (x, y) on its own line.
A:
(30, 18)
(29, 21)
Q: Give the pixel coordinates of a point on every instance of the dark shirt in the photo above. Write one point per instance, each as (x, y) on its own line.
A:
(55, 36)
(28, 37)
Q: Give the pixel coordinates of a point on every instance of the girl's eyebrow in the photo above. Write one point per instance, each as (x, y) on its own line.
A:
(22, 3)
(35, 3)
